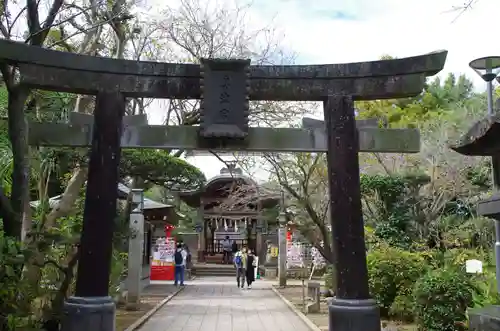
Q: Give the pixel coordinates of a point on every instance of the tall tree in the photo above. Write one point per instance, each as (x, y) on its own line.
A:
(17, 97)
(208, 29)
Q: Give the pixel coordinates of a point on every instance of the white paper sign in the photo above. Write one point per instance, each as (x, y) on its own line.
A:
(169, 250)
(166, 250)
(295, 256)
(256, 269)
(474, 267)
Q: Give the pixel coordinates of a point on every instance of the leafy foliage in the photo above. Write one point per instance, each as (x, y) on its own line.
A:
(160, 168)
(442, 297)
(393, 273)
(384, 201)
(4, 99)
(329, 277)
(15, 313)
(432, 103)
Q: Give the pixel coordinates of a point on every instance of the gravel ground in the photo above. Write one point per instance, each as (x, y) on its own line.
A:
(151, 296)
(294, 295)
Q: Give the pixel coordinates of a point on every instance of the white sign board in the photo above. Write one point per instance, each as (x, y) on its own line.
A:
(166, 250)
(474, 267)
(294, 255)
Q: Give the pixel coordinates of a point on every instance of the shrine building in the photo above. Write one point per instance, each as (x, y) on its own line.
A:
(229, 204)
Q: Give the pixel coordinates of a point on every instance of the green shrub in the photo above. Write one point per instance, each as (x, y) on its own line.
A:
(393, 272)
(329, 278)
(486, 286)
(441, 300)
(15, 294)
(403, 307)
(458, 256)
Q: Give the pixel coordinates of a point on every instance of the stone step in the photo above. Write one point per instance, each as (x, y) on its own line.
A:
(214, 271)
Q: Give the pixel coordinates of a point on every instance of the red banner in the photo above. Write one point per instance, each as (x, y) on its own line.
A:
(162, 267)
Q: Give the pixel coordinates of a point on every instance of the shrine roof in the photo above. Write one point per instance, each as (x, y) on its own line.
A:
(214, 186)
(123, 192)
(482, 139)
(490, 207)
(153, 210)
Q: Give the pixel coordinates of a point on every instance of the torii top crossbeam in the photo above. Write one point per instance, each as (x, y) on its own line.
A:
(53, 70)
(61, 71)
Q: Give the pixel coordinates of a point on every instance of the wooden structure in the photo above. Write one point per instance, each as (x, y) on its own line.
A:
(222, 213)
(156, 216)
(225, 88)
(482, 140)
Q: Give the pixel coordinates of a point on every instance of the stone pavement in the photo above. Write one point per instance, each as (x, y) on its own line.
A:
(216, 304)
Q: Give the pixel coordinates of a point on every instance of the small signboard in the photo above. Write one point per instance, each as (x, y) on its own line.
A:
(274, 251)
(224, 103)
(474, 267)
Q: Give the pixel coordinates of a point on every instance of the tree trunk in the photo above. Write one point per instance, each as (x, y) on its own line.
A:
(53, 320)
(18, 135)
(70, 195)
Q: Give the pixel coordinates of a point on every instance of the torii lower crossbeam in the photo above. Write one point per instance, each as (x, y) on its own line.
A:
(258, 140)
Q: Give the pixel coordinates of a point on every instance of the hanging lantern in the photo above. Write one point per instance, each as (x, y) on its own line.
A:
(168, 230)
(225, 225)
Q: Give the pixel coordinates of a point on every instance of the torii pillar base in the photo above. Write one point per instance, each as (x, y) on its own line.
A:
(353, 315)
(83, 314)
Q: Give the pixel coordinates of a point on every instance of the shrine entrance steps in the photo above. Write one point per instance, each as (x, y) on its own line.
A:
(213, 270)
(213, 259)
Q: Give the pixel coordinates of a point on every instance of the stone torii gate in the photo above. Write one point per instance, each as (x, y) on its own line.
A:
(224, 88)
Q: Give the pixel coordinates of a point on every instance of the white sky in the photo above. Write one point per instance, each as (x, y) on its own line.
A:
(330, 31)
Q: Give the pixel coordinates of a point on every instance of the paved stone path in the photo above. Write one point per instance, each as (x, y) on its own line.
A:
(216, 304)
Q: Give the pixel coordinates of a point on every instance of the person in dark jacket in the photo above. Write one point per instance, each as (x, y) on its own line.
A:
(188, 252)
(180, 256)
(250, 268)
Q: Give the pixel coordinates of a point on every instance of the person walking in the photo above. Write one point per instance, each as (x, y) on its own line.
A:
(240, 260)
(234, 247)
(227, 247)
(250, 268)
(180, 264)
(188, 255)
